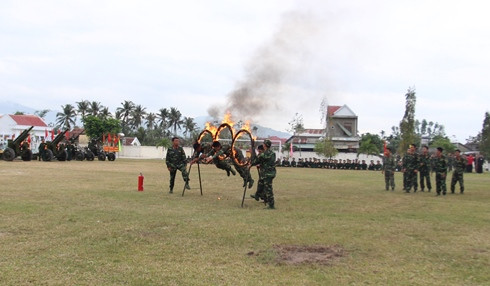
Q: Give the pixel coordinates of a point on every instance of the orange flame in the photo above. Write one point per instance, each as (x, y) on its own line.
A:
(211, 128)
(246, 126)
(227, 119)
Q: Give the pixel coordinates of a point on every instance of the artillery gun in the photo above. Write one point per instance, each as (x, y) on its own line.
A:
(74, 151)
(55, 149)
(101, 152)
(16, 147)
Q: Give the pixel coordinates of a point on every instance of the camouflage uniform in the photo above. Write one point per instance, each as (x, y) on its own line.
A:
(411, 163)
(267, 173)
(440, 167)
(459, 167)
(244, 171)
(176, 160)
(220, 162)
(424, 169)
(389, 171)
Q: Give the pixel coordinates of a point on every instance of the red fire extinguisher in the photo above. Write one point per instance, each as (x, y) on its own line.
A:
(140, 182)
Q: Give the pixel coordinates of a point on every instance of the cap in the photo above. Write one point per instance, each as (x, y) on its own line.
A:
(440, 149)
(216, 144)
(267, 143)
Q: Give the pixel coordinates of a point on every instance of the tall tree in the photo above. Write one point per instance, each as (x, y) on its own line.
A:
(83, 108)
(138, 114)
(125, 111)
(95, 126)
(189, 125)
(66, 118)
(175, 119)
(407, 124)
(41, 113)
(150, 120)
(163, 115)
(485, 136)
(94, 108)
(105, 113)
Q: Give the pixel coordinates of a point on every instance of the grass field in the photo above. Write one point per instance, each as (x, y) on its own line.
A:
(84, 223)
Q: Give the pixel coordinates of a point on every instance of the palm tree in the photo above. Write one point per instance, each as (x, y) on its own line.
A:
(83, 108)
(163, 117)
(174, 119)
(138, 114)
(66, 118)
(125, 111)
(150, 120)
(105, 113)
(189, 125)
(95, 107)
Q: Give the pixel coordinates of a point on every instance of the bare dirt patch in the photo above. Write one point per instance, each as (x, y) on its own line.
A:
(302, 254)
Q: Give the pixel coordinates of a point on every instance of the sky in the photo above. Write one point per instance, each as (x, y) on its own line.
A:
(263, 60)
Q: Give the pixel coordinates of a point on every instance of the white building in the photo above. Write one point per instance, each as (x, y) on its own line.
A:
(12, 125)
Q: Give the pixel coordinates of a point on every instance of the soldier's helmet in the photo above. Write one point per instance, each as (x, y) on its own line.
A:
(267, 143)
(216, 144)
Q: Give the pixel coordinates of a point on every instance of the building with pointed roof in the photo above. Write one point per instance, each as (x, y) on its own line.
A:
(341, 128)
(12, 125)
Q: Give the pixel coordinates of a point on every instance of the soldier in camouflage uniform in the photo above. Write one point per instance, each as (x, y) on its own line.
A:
(440, 167)
(176, 160)
(259, 194)
(411, 168)
(424, 168)
(459, 167)
(268, 171)
(389, 170)
(218, 156)
(244, 171)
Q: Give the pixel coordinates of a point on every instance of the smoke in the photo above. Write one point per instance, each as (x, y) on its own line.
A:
(279, 69)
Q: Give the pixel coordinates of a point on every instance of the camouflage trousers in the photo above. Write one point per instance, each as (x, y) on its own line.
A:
(223, 165)
(389, 180)
(173, 171)
(411, 180)
(244, 172)
(457, 177)
(264, 190)
(425, 177)
(441, 183)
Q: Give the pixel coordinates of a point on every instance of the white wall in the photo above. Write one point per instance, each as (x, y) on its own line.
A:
(147, 152)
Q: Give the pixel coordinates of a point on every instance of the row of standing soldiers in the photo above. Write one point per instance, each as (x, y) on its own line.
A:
(330, 164)
(422, 165)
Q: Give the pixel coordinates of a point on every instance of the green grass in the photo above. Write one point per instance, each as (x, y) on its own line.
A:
(84, 223)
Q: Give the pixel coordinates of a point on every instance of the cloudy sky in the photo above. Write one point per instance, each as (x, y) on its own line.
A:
(265, 60)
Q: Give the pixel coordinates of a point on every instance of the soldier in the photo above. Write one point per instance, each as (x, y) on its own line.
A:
(259, 194)
(459, 167)
(440, 167)
(293, 163)
(218, 156)
(389, 170)
(371, 166)
(364, 166)
(285, 162)
(244, 171)
(176, 160)
(268, 171)
(411, 169)
(42, 147)
(424, 168)
(378, 165)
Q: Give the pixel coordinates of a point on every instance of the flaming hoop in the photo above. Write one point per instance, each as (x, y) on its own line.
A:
(233, 149)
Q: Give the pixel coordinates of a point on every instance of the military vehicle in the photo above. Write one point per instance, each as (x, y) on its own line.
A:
(55, 149)
(17, 147)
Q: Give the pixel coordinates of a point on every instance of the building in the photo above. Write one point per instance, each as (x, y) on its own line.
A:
(12, 125)
(341, 128)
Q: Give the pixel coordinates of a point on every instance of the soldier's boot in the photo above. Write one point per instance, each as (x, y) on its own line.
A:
(250, 183)
(244, 183)
(461, 191)
(256, 197)
(232, 171)
(228, 173)
(271, 204)
(387, 187)
(187, 187)
(170, 190)
(422, 189)
(452, 189)
(428, 190)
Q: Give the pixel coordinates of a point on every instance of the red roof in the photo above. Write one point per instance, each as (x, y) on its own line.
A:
(28, 120)
(331, 109)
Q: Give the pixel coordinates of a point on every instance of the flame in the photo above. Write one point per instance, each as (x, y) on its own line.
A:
(246, 126)
(211, 128)
(227, 119)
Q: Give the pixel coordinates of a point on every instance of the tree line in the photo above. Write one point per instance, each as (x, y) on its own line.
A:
(132, 119)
